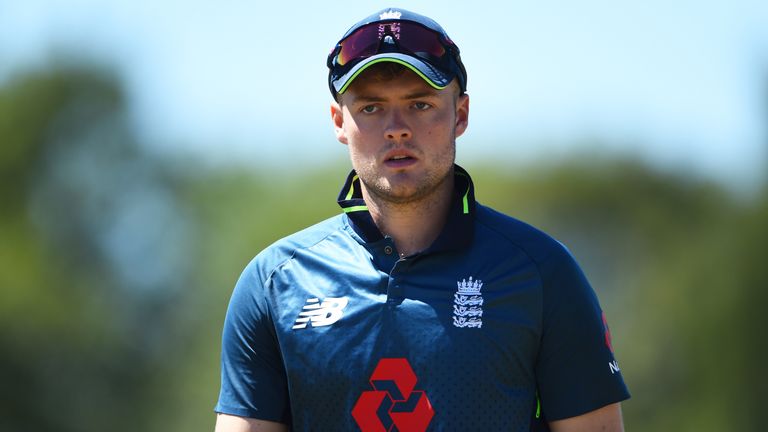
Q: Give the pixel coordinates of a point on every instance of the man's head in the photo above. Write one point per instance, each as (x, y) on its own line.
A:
(401, 37)
(399, 86)
(399, 106)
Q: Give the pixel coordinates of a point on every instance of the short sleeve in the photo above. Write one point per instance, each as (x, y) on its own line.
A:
(253, 381)
(576, 369)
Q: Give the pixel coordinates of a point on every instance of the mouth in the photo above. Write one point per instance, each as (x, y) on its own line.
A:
(399, 158)
(399, 161)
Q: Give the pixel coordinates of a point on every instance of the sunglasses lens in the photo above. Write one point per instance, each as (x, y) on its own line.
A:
(362, 43)
(411, 37)
(419, 40)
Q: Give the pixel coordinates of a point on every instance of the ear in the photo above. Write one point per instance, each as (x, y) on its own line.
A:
(337, 116)
(462, 114)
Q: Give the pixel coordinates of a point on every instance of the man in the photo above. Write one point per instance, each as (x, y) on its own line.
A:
(417, 308)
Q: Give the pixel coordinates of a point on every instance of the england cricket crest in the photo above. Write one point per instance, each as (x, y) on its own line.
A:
(468, 304)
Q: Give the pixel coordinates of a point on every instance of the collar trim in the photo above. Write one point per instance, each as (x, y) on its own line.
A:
(355, 209)
(459, 227)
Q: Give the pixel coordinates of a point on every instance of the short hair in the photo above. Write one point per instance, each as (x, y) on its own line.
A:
(383, 71)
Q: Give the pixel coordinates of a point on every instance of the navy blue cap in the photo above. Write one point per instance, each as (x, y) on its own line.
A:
(436, 72)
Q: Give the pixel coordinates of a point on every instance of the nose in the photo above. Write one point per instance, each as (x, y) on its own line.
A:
(397, 128)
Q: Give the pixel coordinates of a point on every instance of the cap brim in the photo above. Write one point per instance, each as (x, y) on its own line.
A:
(428, 73)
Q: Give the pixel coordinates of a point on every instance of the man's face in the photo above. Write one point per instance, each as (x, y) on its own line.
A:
(401, 134)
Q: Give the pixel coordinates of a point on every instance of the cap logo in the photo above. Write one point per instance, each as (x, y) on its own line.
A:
(391, 14)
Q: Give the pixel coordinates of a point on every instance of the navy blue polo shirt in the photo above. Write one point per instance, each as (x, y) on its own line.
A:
(492, 327)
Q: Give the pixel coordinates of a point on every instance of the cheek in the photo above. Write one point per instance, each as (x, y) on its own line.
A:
(361, 134)
(353, 127)
(358, 150)
(439, 125)
(437, 134)
(363, 127)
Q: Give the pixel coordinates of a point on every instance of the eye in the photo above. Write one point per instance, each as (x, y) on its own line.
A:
(369, 109)
(422, 106)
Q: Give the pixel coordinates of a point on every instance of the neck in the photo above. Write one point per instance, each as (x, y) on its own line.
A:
(413, 226)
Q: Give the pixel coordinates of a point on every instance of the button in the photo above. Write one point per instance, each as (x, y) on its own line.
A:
(388, 250)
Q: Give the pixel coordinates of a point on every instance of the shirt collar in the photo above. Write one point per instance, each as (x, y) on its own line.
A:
(459, 227)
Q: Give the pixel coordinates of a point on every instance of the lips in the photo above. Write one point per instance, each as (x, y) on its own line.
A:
(399, 159)
(398, 155)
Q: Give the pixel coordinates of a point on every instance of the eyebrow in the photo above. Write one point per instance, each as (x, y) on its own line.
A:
(415, 95)
(366, 98)
(421, 94)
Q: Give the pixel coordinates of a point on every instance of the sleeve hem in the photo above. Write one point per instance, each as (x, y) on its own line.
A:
(247, 413)
(585, 408)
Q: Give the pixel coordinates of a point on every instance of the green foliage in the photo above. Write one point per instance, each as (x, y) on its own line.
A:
(116, 268)
(82, 342)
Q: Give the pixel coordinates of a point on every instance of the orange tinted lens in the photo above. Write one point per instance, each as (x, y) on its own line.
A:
(362, 43)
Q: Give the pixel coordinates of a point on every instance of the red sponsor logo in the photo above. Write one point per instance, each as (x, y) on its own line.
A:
(393, 404)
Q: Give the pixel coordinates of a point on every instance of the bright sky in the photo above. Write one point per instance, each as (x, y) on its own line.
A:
(682, 83)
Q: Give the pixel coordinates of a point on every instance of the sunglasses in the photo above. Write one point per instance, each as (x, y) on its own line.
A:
(407, 36)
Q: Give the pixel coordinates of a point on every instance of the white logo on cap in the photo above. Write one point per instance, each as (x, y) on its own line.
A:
(391, 14)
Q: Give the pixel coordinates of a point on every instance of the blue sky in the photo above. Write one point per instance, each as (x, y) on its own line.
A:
(681, 83)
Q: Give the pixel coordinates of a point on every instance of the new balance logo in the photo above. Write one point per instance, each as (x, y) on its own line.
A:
(320, 313)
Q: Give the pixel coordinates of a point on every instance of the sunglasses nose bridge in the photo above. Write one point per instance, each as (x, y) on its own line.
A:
(387, 44)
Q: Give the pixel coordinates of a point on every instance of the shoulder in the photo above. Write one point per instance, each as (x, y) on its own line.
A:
(557, 267)
(535, 243)
(283, 250)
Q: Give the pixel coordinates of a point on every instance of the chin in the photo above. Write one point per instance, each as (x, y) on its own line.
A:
(404, 194)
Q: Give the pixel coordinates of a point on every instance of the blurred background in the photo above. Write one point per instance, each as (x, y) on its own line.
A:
(148, 150)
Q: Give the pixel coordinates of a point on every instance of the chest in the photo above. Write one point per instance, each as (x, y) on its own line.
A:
(358, 337)
(335, 316)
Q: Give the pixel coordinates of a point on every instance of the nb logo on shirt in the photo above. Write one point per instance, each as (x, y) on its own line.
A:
(322, 313)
